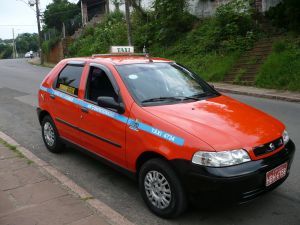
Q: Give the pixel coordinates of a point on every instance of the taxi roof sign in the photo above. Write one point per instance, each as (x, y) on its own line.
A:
(122, 49)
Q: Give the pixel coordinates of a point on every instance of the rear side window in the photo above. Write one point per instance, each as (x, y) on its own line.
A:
(69, 79)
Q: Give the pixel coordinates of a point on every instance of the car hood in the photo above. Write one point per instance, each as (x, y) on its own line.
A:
(221, 122)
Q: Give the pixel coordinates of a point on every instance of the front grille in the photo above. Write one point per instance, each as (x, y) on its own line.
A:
(269, 147)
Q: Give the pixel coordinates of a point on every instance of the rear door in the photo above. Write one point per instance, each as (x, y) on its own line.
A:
(64, 101)
(103, 130)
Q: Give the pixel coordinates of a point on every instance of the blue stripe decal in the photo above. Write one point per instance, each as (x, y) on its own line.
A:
(137, 125)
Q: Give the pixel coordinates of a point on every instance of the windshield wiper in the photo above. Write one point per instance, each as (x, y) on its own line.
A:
(204, 94)
(162, 99)
(174, 98)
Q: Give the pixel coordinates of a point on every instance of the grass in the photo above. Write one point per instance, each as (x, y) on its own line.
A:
(281, 70)
(15, 150)
(239, 76)
(87, 198)
(210, 67)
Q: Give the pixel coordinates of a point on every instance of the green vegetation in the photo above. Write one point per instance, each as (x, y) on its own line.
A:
(286, 15)
(59, 12)
(27, 42)
(49, 44)
(15, 150)
(112, 31)
(209, 47)
(281, 70)
(6, 51)
(12, 147)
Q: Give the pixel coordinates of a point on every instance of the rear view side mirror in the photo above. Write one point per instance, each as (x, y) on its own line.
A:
(111, 103)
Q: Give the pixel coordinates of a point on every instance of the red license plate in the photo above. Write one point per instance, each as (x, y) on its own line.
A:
(276, 174)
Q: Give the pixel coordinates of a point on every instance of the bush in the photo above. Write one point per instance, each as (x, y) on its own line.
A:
(49, 44)
(236, 28)
(281, 70)
(279, 46)
(112, 31)
(6, 51)
(163, 23)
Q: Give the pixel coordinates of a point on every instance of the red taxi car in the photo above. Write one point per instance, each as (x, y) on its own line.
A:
(160, 123)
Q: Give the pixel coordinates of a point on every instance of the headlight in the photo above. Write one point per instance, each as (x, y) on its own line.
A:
(285, 137)
(221, 159)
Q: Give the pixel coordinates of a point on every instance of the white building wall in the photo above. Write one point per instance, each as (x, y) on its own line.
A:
(267, 4)
(202, 8)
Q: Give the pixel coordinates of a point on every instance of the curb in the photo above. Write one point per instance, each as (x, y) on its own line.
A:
(268, 96)
(104, 210)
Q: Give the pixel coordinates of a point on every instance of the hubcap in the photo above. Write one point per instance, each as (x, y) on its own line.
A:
(157, 189)
(49, 134)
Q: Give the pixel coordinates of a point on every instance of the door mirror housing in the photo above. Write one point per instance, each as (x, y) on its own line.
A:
(111, 103)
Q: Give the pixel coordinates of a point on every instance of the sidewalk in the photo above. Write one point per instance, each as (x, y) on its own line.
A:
(258, 92)
(29, 195)
(37, 62)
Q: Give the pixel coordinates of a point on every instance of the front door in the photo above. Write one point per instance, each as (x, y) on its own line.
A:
(103, 130)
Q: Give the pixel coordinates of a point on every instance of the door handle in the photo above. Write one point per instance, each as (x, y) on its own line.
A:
(52, 96)
(84, 109)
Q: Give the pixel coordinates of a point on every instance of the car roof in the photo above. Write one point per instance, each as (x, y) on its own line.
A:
(121, 59)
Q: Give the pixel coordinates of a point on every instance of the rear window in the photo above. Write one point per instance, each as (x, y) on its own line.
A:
(69, 79)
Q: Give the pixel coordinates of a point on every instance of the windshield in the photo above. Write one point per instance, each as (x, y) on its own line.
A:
(163, 82)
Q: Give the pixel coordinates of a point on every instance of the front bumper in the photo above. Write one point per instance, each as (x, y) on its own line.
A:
(240, 183)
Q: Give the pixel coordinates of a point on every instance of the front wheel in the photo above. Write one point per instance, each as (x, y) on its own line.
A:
(161, 189)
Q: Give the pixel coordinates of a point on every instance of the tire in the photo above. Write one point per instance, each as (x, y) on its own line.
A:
(50, 135)
(167, 203)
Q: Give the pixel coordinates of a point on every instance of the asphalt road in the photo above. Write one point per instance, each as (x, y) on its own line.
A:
(19, 82)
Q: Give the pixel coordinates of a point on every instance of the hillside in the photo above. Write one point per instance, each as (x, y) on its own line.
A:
(212, 48)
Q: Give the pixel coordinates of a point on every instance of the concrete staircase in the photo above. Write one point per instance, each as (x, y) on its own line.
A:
(246, 68)
(96, 19)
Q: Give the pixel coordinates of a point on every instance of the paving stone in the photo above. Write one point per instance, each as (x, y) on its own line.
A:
(8, 181)
(11, 164)
(37, 193)
(6, 153)
(63, 210)
(91, 220)
(30, 175)
(17, 178)
(6, 204)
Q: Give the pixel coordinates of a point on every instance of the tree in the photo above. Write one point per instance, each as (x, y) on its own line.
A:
(27, 42)
(5, 51)
(58, 12)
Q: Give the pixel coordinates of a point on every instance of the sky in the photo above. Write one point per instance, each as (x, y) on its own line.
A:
(17, 15)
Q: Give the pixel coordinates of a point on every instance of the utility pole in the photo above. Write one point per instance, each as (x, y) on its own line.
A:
(39, 30)
(127, 15)
(14, 52)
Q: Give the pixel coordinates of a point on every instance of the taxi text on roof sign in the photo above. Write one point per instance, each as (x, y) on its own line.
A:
(122, 49)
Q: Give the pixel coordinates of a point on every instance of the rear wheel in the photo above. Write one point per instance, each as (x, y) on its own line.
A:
(50, 135)
(161, 189)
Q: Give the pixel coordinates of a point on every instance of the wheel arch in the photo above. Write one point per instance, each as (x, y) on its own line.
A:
(42, 114)
(145, 156)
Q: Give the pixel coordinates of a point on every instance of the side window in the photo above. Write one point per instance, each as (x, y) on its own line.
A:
(69, 79)
(99, 85)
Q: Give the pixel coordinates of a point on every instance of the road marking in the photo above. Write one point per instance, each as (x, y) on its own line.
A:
(112, 216)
